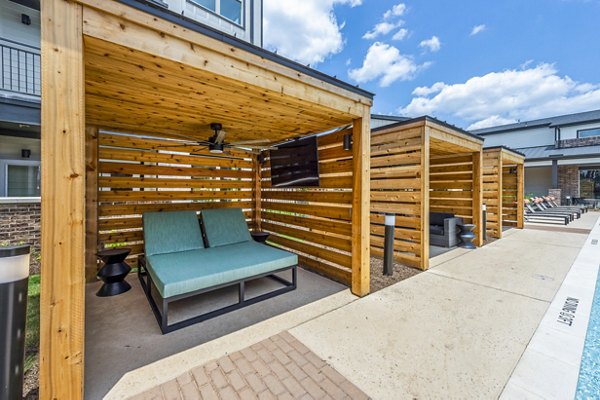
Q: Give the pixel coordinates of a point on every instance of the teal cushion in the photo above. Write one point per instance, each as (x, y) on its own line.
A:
(171, 231)
(188, 271)
(224, 226)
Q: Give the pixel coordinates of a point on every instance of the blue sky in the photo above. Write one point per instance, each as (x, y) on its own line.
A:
(526, 59)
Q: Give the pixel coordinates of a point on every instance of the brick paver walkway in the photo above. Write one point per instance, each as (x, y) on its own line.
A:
(277, 368)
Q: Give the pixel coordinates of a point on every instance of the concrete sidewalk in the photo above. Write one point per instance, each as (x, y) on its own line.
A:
(455, 331)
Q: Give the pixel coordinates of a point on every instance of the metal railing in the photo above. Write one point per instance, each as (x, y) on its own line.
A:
(20, 67)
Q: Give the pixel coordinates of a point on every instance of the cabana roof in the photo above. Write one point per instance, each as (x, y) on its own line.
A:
(162, 78)
(508, 154)
(445, 139)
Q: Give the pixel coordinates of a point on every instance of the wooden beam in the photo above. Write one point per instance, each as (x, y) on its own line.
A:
(63, 202)
(520, 195)
(361, 179)
(91, 202)
(425, 198)
(257, 192)
(477, 197)
(500, 195)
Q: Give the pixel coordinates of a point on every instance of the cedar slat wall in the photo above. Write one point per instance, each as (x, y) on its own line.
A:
(501, 191)
(315, 223)
(138, 175)
(492, 192)
(451, 185)
(396, 180)
(509, 195)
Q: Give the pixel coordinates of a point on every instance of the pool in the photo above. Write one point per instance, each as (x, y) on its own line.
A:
(588, 385)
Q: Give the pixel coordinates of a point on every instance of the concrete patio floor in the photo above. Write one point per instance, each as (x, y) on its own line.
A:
(122, 334)
(455, 331)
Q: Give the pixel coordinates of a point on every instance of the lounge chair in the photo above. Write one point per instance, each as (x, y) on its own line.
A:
(443, 229)
(550, 204)
(179, 265)
(545, 218)
(538, 203)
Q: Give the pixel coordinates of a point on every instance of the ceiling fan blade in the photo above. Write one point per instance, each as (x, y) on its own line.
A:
(251, 141)
(220, 136)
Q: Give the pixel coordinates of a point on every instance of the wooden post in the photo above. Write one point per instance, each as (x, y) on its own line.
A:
(63, 202)
(500, 193)
(91, 202)
(520, 195)
(425, 198)
(257, 194)
(477, 197)
(361, 182)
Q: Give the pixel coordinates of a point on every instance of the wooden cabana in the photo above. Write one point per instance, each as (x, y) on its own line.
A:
(122, 83)
(418, 166)
(503, 187)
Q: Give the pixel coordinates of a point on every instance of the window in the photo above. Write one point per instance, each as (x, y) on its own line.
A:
(589, 183)
(229, 9)
(588, 132)
(19, 178)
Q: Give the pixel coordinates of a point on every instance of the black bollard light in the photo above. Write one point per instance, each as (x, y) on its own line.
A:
(14, 277)
(388, 246)
(484, 221)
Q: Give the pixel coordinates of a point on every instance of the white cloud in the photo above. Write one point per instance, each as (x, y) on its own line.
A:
(426, 91)
(401, 34)
(306, 31)
(384, 62)
(505, 97)
(478, 29)
(397, 11)
(382, 28)
(432, 44)
(492, 120)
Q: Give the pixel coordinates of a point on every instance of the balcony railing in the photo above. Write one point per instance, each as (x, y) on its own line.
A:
(20, 67)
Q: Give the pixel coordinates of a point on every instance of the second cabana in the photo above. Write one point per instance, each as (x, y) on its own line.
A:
(422, 166)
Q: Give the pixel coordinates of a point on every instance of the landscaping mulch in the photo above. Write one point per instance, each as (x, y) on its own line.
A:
(31, 382)
(380, 281)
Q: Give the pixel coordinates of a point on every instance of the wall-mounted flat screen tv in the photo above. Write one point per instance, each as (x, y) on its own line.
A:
(295, 163)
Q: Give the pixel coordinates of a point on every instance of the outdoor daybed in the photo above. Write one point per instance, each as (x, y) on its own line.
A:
(179, 264)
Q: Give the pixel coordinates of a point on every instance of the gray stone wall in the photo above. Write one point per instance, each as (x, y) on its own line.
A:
(568, 180)
(20, 223)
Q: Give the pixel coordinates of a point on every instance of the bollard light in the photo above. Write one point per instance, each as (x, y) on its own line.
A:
(14, 277)
(388, 247)
(484, 220)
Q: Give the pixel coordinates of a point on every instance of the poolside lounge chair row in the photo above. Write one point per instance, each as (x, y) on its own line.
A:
(545, 210)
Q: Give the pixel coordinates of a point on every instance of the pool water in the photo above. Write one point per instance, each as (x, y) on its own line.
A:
(588, 386)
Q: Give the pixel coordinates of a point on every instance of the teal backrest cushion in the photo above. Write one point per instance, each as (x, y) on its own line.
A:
(224, 226)
(171, 231)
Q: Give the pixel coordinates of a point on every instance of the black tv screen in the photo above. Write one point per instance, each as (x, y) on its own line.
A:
(295, 163)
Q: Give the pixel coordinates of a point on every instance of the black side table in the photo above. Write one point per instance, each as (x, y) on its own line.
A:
(113, 272)
(467, 236)
(260, 237)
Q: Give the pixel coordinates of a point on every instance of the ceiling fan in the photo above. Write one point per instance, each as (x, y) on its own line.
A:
(217, 145)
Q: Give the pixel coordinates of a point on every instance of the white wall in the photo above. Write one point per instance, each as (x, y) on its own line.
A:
(11, 27)
(538, 180)
(10, 148)
(522, 138)
(247, 31)
(570, 132)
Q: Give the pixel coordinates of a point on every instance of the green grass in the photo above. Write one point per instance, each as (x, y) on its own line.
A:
(32, 330)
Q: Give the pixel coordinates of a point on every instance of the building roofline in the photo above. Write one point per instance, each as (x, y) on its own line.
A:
(158, 11)
(389, 117)
(504, 148)
(427, 118)
(536, 123)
